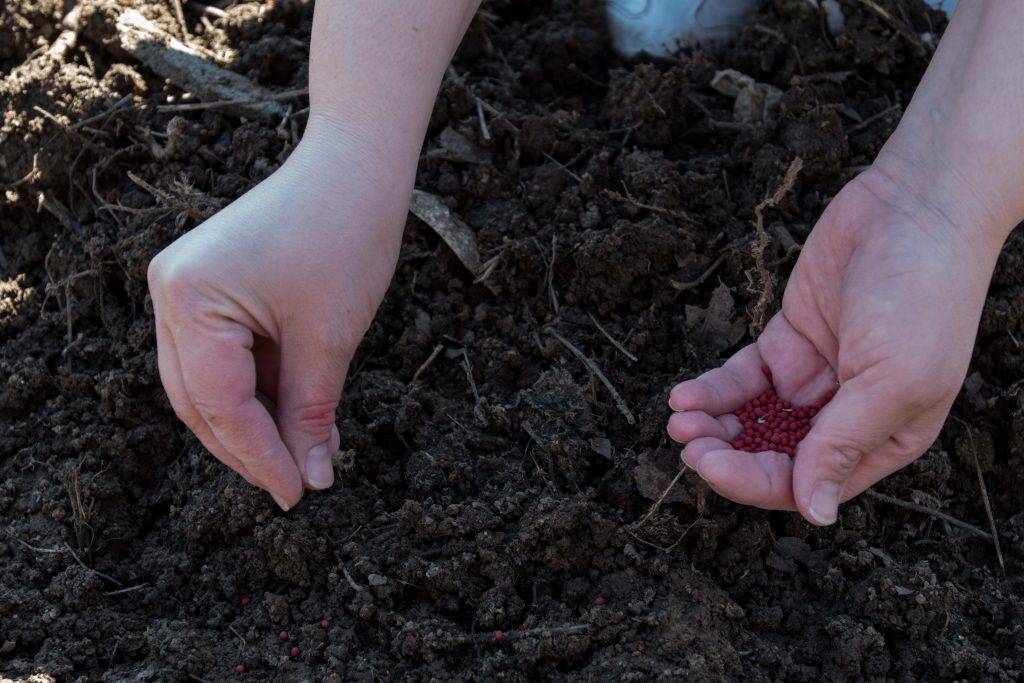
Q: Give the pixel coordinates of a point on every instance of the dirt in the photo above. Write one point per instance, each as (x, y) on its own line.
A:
(605, 191)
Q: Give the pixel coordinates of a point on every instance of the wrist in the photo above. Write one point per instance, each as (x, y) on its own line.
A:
(920, 177)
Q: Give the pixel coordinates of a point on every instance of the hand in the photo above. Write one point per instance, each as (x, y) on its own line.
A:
(259, 309)
(883, 305)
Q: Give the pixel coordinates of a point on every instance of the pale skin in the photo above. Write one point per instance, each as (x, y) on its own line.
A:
(259, 309)
(884, 302)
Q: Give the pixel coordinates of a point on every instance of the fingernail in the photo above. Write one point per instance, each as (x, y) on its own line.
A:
(319, 468)
(280, 502)
(824, 505)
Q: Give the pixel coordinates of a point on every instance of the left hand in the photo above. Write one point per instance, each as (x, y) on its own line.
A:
(883, 305)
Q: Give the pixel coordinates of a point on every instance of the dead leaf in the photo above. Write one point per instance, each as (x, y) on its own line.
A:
(715, 324)
(652, 480)
(456, 234)
(752, 101)
(457, 147)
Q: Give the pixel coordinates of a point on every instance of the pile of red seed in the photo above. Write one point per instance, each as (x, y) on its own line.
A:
(771, 423)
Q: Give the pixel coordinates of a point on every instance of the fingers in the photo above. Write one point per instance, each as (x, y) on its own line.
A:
(761, 479)
(309, 387)
(858, 421)
(693, 424)
(219, 376)
(801, 373)
(723, 389)
(170, 376)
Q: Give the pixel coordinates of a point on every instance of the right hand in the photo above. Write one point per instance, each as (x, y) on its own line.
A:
(260, 309)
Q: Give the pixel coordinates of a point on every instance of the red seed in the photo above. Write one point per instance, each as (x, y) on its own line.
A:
(326, 623)
(296, 652)
(499, 636)
(283, 635)
(771, 423)
(245, 601)
(599, 600)
(240, 669)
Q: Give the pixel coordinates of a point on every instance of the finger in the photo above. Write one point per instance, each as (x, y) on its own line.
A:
(693, 424)
(858, 420)
(761, 479)
(219, 375)
(170, 376)
(723, 389)
(801, 373)
(309, 388)
(698, 448)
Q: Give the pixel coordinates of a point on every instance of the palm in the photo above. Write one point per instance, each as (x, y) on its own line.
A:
(867, 308)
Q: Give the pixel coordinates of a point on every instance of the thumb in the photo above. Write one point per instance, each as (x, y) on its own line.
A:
(858, 420)
(310, 380)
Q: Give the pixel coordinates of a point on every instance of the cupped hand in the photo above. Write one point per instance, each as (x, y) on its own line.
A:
(259, 309)
(882, 308)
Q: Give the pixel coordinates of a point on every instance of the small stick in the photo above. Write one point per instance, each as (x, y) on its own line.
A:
(67, 549)
(763, 240)
(169, 201)
(592, 366)
(512, 636)
(212, 11)
(562, 166)
(612, 339)
(218, 104)
(117, 106)
(898, 26)
(657, 504)
(426, 364)
(986, 501)
(628, 199)
(907, 505)
(181, 20)
(874, 117)
(484, 130)
(239, 636)
(551, 274)
(348, 577)
(130, 589)
(683, 286)
(469, 375)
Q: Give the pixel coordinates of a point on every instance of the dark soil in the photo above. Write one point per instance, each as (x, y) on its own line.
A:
(126, 550)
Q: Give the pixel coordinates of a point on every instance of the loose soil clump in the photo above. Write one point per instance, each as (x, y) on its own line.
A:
(496, 485)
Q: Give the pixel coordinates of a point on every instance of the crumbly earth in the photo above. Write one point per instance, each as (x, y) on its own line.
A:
(604, 190)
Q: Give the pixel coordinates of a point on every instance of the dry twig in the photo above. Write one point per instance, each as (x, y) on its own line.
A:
(612, 339)
(757, 317)
(592, 366)
(907, 505)
(426, 364)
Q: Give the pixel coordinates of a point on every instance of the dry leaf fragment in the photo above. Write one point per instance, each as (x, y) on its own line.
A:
(456, 234)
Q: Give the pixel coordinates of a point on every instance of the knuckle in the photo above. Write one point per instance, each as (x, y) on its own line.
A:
(316, 417)
(174, 281)
(216, 413)
(844, 458)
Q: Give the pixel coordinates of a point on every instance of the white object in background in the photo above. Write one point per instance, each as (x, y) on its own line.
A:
(660, 27)
(946, 6)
